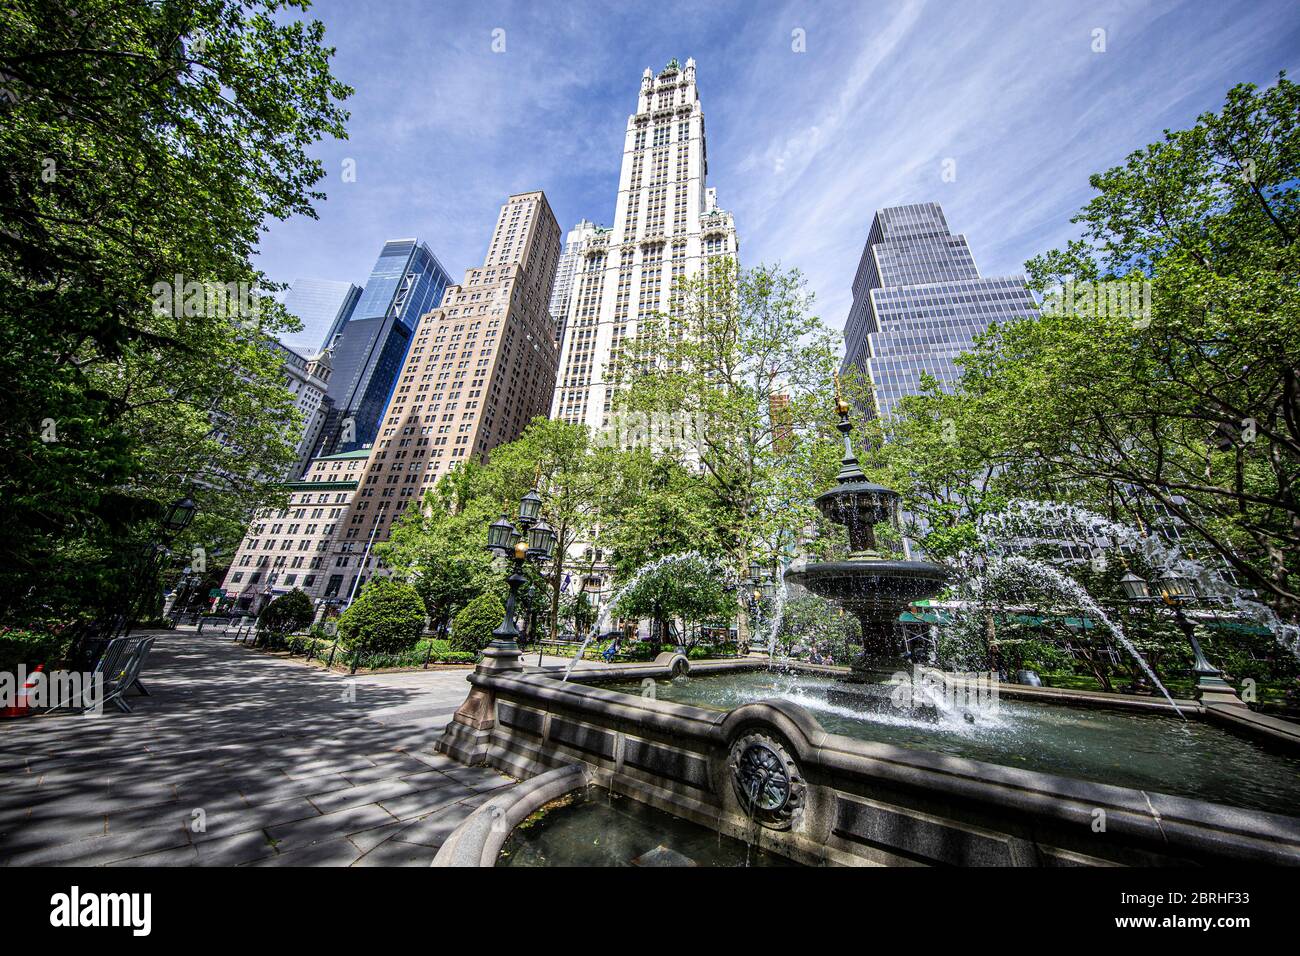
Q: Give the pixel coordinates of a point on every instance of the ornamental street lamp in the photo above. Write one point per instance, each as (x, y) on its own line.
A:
(1173, 591)
(179, 515)
(759, 587)
(521, 542)
(1134, 587)
(181, 597)
(1173, 587)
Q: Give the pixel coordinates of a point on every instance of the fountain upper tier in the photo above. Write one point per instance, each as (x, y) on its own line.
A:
(874, 588)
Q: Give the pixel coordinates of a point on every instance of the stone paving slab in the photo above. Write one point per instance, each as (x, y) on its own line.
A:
(240, 758)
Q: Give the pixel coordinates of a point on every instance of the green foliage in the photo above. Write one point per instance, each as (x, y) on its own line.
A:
(1190, 408)
(816, 622)
(689, 589)
(441, 546)
(657, 507)
(472, 629)
(142, 142)
(30, 648)
(287, 613)
(428, 651)
(742, 365)
(579, 613)
(387, 618)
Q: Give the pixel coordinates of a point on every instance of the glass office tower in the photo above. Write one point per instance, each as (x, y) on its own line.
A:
(324, 306)
(919, 302)
(369, 348)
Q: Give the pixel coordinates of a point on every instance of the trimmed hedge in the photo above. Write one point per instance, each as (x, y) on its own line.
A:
(431, 651)
(388, 618)
(287, 613)
(472, 628)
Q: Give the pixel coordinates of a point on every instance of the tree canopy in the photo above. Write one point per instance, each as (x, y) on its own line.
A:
(1182, 403)
(143, 146)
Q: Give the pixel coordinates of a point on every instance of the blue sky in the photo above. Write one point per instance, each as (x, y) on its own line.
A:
(803, 147)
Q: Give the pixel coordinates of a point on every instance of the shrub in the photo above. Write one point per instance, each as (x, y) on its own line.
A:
(471, 631)
(29, 648)
(386, 619)
(287, 613)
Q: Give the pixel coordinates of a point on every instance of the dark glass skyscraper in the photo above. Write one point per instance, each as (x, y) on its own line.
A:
(369, 348)
(919, 302)
(324, 306)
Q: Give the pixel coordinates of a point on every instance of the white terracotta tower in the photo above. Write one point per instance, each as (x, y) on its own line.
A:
(666, 227)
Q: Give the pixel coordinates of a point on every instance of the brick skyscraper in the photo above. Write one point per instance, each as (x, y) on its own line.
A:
(481, 366)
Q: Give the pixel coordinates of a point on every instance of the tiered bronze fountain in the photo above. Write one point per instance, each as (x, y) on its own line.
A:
(873, 587)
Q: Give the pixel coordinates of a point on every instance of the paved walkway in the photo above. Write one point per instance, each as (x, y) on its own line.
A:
(239, 757)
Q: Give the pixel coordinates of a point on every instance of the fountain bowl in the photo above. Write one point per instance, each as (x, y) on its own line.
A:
(876, 591)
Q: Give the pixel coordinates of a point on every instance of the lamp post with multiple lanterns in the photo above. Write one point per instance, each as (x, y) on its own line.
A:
(527, 539)
(1174, 591)
(760, 586)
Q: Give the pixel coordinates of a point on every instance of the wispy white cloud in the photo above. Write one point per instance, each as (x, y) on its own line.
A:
(804, 147)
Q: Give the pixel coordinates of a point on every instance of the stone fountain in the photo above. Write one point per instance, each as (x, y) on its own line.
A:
(869, 585)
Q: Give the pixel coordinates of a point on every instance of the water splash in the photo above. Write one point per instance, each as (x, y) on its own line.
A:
(1024, 519)
(776, 617)
(1020, 570)
(728, 576)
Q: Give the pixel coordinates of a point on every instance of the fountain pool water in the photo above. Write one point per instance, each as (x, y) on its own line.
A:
(594, 827)
(1141, 751)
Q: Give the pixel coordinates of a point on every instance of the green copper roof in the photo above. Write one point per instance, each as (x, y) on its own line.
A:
(672, 65)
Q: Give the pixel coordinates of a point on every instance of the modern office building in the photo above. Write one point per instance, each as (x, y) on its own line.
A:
(667, 226)
(368, 349)
(323, 306)
(562, 292)
(288, 549)
(919, 301)
(481, 367)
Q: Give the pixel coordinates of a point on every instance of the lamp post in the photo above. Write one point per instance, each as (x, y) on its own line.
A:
(175, 519)
(524, 540)
(759, 587)
(181, 598)
(1175, 589)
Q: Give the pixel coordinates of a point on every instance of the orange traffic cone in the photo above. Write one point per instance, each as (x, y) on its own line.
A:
(21, 707)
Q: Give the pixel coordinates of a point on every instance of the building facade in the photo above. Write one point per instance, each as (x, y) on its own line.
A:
(323, 306)
(289, 548)
(307, 378)
(481, 367)
(667, 225)
(368, 349)
(562, 292)
(919, 302)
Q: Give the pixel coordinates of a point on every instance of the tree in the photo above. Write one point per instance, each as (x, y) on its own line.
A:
(657, 507)
(143, 146)
(579, 612)
(475, 622)
(387, 618)
(572, 474)
(439, 549)
(744, 370)
(1186, 403)
(689, 589)
(817, 622)
(287, 613)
